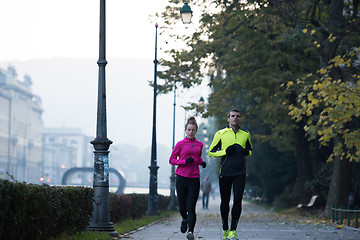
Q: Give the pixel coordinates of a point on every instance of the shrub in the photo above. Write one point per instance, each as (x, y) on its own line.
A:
(31, 211)
(120, 207)
(123, 206)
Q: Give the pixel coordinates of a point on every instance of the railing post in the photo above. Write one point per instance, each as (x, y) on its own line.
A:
(348, 213)
(341, 215)
(336, 214)
(333, 213)
(356, 218)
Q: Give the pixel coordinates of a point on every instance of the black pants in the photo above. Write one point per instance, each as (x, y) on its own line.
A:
(237, 183)
(205, 200)
(187, 190)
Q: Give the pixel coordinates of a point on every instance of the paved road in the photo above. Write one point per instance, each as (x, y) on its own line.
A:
(256, 223)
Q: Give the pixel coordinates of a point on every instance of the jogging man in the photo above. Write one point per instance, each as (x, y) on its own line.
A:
(232, 144)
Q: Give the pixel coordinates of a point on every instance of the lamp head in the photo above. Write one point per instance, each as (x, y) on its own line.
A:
(202, 102)
(186, 13)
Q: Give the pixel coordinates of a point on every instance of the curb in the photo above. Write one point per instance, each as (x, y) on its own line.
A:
(126, 235)
(352, 228)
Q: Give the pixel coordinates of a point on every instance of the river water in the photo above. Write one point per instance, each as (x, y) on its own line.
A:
(129, 190)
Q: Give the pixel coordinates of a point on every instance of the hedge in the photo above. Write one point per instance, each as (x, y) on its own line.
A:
(123, 206)
(31, 211)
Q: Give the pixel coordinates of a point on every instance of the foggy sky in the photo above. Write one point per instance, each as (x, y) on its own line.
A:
(68, 88)
(57, 43)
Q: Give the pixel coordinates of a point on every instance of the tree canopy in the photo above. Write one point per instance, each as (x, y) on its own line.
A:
(291, 67)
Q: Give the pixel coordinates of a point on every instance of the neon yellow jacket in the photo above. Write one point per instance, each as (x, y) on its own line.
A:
(233, 164)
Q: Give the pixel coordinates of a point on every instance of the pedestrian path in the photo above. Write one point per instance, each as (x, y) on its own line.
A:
(256, 223)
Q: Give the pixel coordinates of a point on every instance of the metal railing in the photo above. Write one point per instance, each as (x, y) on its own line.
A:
(335, 212)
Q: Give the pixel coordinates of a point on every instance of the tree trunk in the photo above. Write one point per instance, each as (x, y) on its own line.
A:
(341, 176)
(303, 162)
(340, 185)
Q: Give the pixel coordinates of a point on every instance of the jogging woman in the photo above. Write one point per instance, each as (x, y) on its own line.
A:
(187, 156)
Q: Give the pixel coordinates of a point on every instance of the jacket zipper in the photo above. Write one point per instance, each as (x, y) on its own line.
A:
(222, 165)
(225, 158)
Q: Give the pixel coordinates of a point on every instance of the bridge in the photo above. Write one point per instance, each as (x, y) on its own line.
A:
(72, 171)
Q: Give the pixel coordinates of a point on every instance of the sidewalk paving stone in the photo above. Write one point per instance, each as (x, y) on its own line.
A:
(256, 223)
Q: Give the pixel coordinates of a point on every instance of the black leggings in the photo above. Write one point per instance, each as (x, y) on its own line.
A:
(188, 192)
(238, 185)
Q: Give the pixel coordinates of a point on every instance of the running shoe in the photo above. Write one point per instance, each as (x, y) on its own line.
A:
(225, 234)
(233, 235)
(190, 236)
(184, 226)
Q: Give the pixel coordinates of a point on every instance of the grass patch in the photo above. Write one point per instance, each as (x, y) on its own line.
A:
(87, 236)
(129, 225)
(259, 203)
(294, 214)
(125, 226)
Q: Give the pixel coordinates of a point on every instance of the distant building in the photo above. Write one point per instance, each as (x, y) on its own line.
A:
(28, 151)
(65, 148)
(20, 128)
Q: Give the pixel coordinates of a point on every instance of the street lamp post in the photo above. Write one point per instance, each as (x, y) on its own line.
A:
(172, 205)
(153, 195)
(101, 213)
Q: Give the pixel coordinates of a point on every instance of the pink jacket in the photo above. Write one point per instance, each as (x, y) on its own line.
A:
(184, 149)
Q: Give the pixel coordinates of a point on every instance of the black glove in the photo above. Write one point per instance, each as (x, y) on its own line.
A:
(246, 152)
(189, 160)
(203, 164)
(230, 149)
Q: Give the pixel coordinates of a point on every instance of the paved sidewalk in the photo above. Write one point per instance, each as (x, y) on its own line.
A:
(255, 223)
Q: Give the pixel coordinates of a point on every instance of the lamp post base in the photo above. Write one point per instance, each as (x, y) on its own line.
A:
(106, 227)
(102, 227)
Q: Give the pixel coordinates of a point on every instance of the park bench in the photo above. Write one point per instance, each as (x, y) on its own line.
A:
(310, 205)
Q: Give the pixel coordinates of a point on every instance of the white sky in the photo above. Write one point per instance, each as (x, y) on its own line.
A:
(70, 28)
(48, 29)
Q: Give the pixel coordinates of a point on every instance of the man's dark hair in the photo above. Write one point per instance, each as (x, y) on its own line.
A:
(233, 110)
